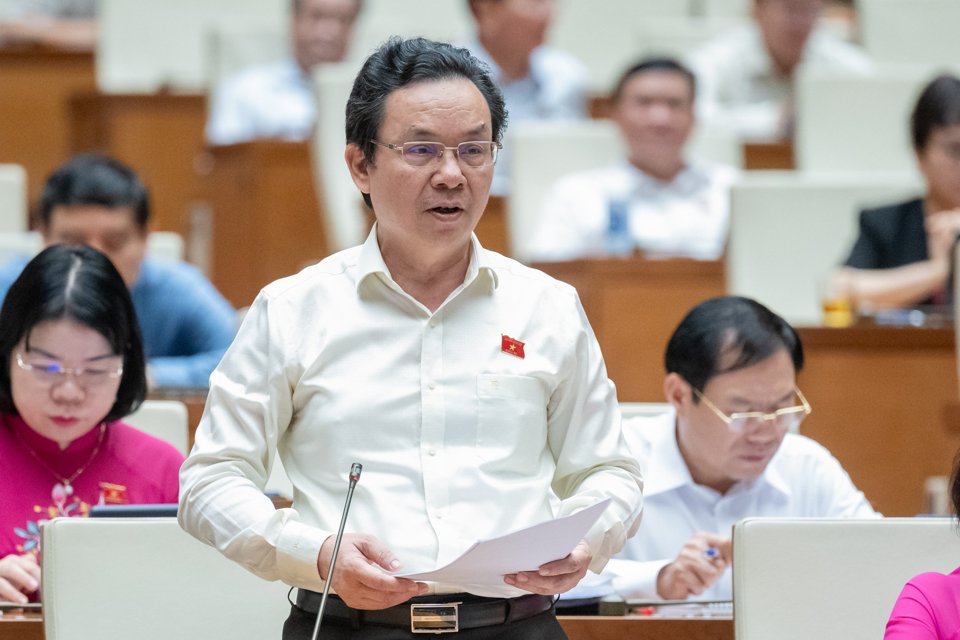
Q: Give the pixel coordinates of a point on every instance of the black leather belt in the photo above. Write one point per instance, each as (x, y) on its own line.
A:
(433, 614)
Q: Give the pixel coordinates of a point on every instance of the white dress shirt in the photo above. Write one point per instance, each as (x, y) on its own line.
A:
(802, 480)
(554, 89)
(270, 101)
(460, 441)
(740, 90)
(686, 217)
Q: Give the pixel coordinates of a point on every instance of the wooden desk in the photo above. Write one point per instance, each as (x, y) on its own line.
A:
(35, 85)
(628, 628)
(266, 215)
(159, 135)
(18, 625)
(634, 305)
(768, 155)
(878, 396)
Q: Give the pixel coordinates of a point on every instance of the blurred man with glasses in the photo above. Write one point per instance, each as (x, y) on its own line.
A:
(730, 449)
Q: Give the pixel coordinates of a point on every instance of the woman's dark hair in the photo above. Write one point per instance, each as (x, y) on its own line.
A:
(938, 106)
(719, 328)
(80, 284)
(91, 179)
(398, 63)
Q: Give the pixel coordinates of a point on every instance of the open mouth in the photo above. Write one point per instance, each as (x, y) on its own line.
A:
(446, 210)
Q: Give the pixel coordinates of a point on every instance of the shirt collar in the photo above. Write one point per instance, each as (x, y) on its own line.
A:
(371, 263)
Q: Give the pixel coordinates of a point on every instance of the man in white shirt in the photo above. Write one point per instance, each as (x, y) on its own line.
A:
(276, 100)
(469, 386)
(747, 76)
(675, 207)
(730, 450)
(538, 82)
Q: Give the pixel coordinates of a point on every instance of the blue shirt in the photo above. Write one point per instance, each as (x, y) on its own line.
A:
(186, 324)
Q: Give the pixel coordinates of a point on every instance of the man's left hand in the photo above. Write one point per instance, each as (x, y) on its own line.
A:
(554, 577)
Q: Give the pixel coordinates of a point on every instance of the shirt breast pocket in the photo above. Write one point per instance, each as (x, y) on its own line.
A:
(511, 421)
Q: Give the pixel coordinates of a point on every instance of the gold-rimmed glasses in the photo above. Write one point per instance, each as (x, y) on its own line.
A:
(786, 419)
(48, 371)
(475, 154)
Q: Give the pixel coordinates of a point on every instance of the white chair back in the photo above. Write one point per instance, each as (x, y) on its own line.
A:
(830, 579)
(164, 419)
(236, 47)
(542, 153)
(919, 31)
(13, 198)
(342, 204)
(146, 46)
(788, 230)
(441, 20)
(677, 37)
(857, 123)
(161, 245)
(147, 578)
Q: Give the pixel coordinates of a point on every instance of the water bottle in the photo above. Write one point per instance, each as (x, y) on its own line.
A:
(618, 241)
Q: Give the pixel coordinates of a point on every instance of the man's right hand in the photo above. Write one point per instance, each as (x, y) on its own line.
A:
(695, 569)
(356, 578)
(19, 575)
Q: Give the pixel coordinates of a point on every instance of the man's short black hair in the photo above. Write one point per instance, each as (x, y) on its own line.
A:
(398, 63)
(91, 179)
(78, 283)
(726, 334)
(938, 106)
(662, 64)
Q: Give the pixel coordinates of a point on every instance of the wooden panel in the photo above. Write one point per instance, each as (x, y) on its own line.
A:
(634, 305)
(17, 625)
(878, 396)
(266, 216)
(492, 228)
(159, 135)
(35, 86)
(628, 628)
(768, 155)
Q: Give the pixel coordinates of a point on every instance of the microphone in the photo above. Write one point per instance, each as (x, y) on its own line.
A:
(355, 470)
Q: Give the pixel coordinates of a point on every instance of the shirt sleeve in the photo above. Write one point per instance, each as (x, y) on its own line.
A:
(206, 326)
(912, 617)
(221, 483)
(592, 459)
(839, 497)
(635, 579)
(226, 123)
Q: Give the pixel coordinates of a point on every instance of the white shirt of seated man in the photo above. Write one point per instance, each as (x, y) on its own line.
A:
(702, 475)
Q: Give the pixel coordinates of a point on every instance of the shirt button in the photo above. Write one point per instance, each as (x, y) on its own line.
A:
(431, 386)
(432, 452)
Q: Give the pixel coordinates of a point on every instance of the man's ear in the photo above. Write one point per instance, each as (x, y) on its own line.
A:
(358, 166)
(676, 390)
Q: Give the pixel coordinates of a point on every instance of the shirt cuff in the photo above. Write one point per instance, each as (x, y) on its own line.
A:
(635, 580)
(298, 550)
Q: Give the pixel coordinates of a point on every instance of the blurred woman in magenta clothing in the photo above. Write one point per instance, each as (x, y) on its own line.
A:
(929, 605)
(71, 366)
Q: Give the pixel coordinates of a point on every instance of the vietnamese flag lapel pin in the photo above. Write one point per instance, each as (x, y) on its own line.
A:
(511, 345)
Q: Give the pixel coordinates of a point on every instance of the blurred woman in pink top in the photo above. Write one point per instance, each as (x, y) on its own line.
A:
(929, 605)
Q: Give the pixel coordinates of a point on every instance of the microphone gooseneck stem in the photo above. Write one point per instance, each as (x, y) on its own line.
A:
(355, 469)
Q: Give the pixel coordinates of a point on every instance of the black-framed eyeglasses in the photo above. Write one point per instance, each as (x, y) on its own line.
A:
(786, 419)
(50, 372)
(474, 154)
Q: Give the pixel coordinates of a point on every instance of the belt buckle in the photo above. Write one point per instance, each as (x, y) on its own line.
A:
(435, 618)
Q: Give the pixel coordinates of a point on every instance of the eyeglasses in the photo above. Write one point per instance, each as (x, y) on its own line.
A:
(786, 419)
(50, 372)
(475, 154)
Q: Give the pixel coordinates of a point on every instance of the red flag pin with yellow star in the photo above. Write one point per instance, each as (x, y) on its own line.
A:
(511, 345)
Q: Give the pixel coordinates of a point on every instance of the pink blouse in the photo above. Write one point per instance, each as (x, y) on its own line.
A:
(928, 609)
(126, 467)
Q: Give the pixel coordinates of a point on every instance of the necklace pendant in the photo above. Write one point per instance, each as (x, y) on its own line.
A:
(68, 488)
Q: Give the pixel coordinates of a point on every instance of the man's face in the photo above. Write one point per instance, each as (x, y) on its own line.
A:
(113, 232)
(439, 204)
(322, 30)
(522, 23)
(718, 457)
(786, 26)
(655, 113)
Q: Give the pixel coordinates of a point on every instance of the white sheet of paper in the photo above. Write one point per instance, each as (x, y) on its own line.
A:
(487, 561)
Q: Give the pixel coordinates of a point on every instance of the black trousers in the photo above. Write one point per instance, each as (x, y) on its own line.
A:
(299, 626)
